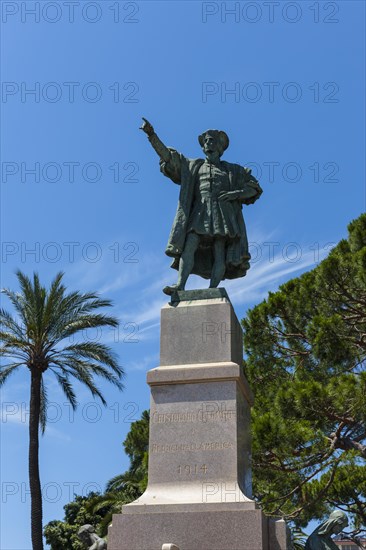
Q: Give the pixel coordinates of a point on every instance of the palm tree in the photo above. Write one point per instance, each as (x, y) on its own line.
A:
(37, 339)
(121, 489)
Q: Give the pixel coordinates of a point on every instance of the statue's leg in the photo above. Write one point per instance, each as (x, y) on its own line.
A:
(186, 262)
(218, 269)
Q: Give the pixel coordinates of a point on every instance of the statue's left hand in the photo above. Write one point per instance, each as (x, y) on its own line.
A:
(229, 196)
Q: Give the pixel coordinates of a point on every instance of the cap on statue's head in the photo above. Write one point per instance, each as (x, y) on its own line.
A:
(221, 136)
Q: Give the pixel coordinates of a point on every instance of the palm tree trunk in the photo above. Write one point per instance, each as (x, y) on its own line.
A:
(34, 479)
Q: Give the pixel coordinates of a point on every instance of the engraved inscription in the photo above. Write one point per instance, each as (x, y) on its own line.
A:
(177, 447)
(192, 469)
(210, 412)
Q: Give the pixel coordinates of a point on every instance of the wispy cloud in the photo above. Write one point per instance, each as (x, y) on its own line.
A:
(137, 291)
(266, 276)
(144, 364)
(18, 414)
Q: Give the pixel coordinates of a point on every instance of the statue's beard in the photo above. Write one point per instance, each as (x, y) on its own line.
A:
(212, 155)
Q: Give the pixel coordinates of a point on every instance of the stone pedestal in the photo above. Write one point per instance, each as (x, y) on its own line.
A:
(199, 491)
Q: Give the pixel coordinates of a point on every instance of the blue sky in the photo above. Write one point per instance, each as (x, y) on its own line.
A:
(285, 80)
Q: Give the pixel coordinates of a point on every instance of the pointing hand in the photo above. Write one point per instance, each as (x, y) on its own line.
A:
(147, 127)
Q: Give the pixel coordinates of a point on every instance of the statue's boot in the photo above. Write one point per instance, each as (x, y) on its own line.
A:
(170, 290)
(214, 283)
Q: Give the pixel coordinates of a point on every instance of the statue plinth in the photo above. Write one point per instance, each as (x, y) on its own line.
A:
(199, 491)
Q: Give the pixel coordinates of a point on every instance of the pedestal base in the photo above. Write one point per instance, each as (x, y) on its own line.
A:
(212, 527)
(199, 490)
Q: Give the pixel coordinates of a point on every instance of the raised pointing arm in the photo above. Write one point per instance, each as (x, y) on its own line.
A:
(156, 143)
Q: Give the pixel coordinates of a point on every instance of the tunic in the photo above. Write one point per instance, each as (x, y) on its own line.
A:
(200, 210)
(211, 217)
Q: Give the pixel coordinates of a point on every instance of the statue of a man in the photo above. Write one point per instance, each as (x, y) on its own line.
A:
(208, 236)
(88, 536)
(320, 539)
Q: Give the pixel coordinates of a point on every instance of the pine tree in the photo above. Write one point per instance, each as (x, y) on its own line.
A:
(305, 360)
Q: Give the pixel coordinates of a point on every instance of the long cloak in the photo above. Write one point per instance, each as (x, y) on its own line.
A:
(184, 171)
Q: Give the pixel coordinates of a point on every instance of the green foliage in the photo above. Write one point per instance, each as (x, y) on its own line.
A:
(305, 358)
(306, 352)
(136, 446)
(39, 338)
(97, 509)
(298, 538)
(126, 487)
(63, 534)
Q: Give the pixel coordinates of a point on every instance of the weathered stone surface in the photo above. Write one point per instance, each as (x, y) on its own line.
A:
(212, 372)
(200, 331)
(200, 412)
(279, 536)
(199, 443)
(210, 530)
(199, 490)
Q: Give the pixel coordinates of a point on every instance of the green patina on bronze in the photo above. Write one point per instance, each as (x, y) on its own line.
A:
(208, 236)
(199, 294)
(320, 539)
(90, 539)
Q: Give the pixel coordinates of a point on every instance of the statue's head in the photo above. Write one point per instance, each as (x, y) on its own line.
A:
(85, 532)
(335, 524)
(213, 141)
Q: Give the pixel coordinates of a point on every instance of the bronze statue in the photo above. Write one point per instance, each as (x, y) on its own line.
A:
(208, 236)
(88, 536)
(320, 539)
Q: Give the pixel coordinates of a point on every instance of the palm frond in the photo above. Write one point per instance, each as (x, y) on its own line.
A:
(25, 301)
(54, 298)
(78, 323)
(114, 501)
(81, 371)
(66, 386)
(101, 371)
(96, 351)
(117, 483)
(40, 295)
(18, 303)
(7, 370)
(7, 321)
(14, 352)
(13, 339)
